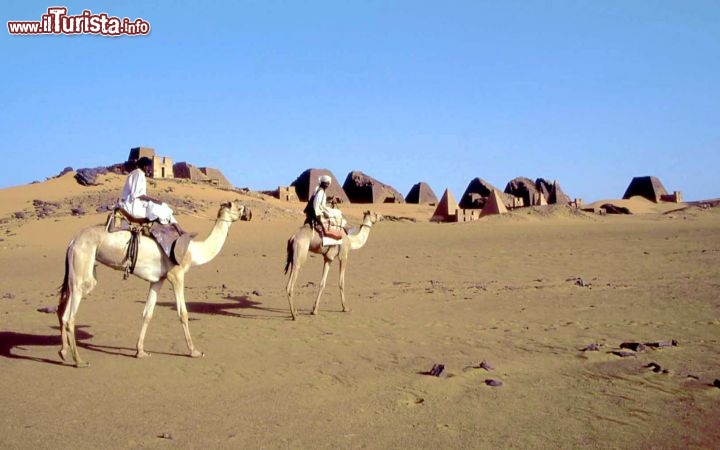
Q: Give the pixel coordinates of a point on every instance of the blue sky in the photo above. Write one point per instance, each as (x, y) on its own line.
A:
(590, 93)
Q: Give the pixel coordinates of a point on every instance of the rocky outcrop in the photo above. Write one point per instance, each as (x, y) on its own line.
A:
(88, 177)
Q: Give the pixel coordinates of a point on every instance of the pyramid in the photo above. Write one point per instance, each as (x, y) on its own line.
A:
(493, 205)
(446, 210)
(421, 193)
(649, 187)
(306, 183)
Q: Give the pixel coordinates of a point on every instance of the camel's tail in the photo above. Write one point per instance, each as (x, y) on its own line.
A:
(290, 252)
(65, 288)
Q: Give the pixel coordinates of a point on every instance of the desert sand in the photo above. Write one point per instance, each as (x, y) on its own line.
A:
(523, 292)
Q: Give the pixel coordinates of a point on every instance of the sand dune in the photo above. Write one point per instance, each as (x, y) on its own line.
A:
(524, 292)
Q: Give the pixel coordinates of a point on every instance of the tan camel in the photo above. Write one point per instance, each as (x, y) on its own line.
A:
(307, 240)
(95, 244)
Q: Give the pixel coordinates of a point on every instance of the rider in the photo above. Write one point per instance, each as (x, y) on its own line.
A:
(317, 206)
(138, 204)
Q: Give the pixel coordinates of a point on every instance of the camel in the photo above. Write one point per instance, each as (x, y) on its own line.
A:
(96, 245)
(306, 239)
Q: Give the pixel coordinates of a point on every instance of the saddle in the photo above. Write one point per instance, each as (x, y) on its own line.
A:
(173, 243)
(329, 228)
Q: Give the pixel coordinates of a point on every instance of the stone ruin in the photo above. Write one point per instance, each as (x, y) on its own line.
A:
(306, 183)
(201, 174)
(477, 193)
(421, 194)
(539, 192)
(362, 188)
(555, 195)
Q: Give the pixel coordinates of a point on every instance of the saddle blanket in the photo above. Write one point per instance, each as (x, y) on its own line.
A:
(328, 241)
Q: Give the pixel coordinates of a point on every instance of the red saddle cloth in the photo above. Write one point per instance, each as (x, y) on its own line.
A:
(329, 228)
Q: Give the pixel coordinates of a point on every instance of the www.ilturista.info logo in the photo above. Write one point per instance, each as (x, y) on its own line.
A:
(56, 21)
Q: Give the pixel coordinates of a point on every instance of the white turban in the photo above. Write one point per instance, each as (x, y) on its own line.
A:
(325, 179)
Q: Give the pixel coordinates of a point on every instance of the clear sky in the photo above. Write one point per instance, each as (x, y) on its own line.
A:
(590, 93)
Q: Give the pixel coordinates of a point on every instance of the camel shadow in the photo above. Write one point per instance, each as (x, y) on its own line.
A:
(241, 302)
(10, 340)
(128, 352)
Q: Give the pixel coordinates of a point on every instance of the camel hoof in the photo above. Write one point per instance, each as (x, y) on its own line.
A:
(82, 364)
(196, 354)
(63, 354)
(346, 309)
(142, 354)
(314, 312)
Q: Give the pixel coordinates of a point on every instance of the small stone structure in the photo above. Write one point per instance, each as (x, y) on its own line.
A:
(162, 166)
(675, 197)
(467, 215)
(287, 194)
(362, 188)
(421, 194)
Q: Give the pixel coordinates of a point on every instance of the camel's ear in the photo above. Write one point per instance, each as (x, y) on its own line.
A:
(226, 205)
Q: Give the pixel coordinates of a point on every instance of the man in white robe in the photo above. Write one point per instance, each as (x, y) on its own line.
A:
(320, 202)
(137, 203)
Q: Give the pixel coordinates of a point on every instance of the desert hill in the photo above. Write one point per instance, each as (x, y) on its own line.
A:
(535, 316)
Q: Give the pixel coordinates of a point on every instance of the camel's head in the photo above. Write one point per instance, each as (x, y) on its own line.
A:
(233, 211)
(373, 217)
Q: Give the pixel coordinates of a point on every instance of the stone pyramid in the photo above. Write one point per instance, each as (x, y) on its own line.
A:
(446, 210)
(494, 204)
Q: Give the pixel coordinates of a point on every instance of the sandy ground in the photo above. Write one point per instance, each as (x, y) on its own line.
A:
(503, 290)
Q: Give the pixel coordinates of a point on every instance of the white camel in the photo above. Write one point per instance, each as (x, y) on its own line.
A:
(306, 239)
(95, 244)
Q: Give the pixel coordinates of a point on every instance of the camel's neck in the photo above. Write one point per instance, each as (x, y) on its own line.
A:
(204, 251)
(359, 239)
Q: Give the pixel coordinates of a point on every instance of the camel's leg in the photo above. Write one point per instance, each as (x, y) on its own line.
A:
(177, 279)
(298, 258)
(343, 266)
(291, 287)
(326, 269)
(147, 317)
(76, 296)
(81, 281)
(65, 343)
